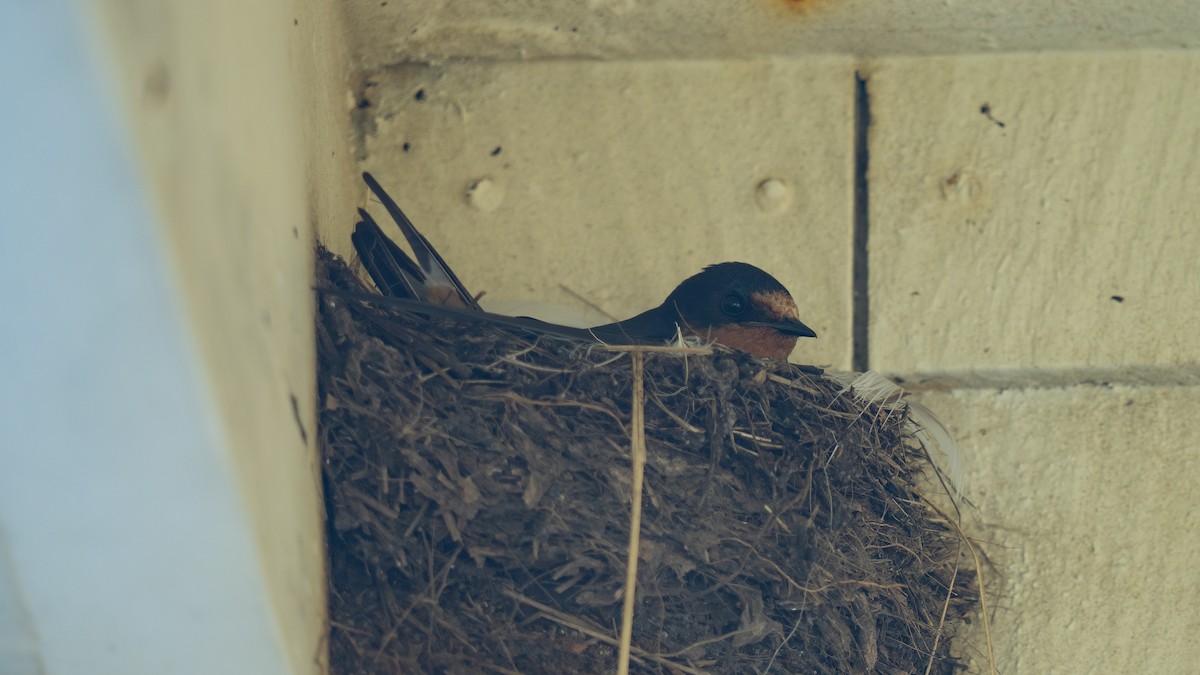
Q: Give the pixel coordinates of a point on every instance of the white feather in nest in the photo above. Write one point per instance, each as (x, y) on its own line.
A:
(871, 388)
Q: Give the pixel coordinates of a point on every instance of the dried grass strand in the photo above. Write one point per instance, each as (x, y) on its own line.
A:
(637, 436)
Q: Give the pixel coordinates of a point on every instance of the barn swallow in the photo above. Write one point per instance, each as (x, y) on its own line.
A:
(733, 304)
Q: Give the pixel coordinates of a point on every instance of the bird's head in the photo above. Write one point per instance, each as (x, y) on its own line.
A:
(739, 306)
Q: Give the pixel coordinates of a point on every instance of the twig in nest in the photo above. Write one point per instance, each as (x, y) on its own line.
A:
(573, 623)
(517, 398)
(637, 436)
(669, 349)
(979, 581)
(579, 296)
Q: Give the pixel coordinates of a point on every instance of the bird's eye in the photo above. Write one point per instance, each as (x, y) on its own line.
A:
(733, 305)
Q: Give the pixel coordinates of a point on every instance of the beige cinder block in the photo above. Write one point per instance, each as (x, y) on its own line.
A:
(1086, 499)
(240, 111)
(1035, 211)
(622, 179)
(420, 30)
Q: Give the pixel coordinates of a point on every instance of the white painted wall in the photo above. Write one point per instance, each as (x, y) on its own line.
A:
(125, 546)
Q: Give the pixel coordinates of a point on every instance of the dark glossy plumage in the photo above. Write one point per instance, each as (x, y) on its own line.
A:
(733, 303)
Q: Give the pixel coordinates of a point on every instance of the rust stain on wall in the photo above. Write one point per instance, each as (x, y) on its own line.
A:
(801, 6)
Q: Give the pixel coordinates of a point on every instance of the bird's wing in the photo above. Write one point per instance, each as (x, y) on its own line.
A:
(394, 273)
(462, 314)
(622, 333)
(649, 327)
(438, 274)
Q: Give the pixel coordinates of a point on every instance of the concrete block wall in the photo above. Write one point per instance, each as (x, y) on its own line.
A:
(1033, 214)
(1084, 496)
(1026, 252)
(1014, 234)
(239, 110)
(1033, 259)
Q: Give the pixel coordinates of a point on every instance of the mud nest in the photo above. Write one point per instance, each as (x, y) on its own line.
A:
(478, 485)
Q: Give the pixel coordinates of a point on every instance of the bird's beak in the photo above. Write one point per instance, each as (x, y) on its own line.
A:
(787, 327)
